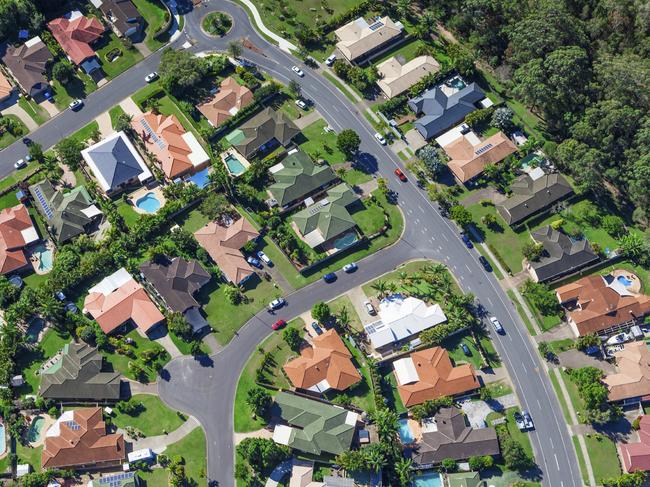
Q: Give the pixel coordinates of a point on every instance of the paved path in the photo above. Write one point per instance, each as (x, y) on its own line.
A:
(261, 433)
(358, 297)
(159, 443)
(308, 119)
(166, 342)
(211, 341)
(495, 375)
(284, 44)
(105, 125)
(17, 110)
(130, 108)
(140, 388)
(477, 411)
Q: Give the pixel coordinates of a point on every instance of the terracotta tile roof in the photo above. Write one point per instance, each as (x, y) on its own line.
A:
(5, 86)
(177, 149)
(79, 439)
(636, 456)
(468, 161)
(328, 360)
(113, 305)
(632, 378)
(75, 33)
(230, 98)
(224, 244)
(436, 377)
(599, 302)
(16, 231)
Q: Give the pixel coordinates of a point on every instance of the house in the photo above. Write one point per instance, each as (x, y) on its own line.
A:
(402, 319)
(428, 374)
(78, 373)
(325, 365)
(561, 256)
(6, 88)
(600, 304)
(468, 158)
(177, 150)
(465, 479)
(226, 102)
(122, 15)
(16, 232)
(68, 214)
(119, 299)
(632, 378)
(313, 426)
(297, 177)
(398, 76)
(176, 281)
(76, 34)
(532, 194)
(440, 108)
(636, 456)
(224, 244)
(327, 219)
(78, 440)
(451, 437)
(359, 39)
(27, 63)
(265, 130)
(116, 164)
(123, 479)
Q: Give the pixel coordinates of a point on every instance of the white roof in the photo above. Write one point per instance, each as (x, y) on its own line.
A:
(455, 133)
(198, 155)
(29, 234)
(91, 211)
(22, 469)
(33, 41)
(143, 454)
(55, 429)
(112, 282)
(282, 434)
(405, 371)
(321, 387)
(351, 418)
(278, 167)
(486, 102)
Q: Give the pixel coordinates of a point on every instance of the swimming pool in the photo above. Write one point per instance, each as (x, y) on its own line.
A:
(624, 280)
(34, 330)
(3, 439)
(45, 257)
(345, 241)
(201, 178)
(457, 83)
(430, 479)
(405, 433)
(149, 203)
(235, 167)
(34, 432)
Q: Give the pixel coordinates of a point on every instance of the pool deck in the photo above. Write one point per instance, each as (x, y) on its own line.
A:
(635, 286)
(140, 192)
(48, 422)
(233, 153)
(35, 259)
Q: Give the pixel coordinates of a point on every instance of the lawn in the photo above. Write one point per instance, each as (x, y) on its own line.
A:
(407, 51)
(128, 213)
(18, 176)
(499, 389)
(581, 460)
(114, 113)
(603, 457)
(336, 305)
(368, 216)
(522, 314)
(394, 276)
(321, 144)
(558, 346)
(574, 397)
(154, 15)
(560, 397)
(6, 139)
(120, 363)
(545, 322)
(128, 57)
(452, 345)
(389, 390)
(34, 110)
(30, 362)
(27, 454)
(354, 176)
(84, 133)
(147, 91)
(642, 274)
(153, 419)
(80, 86)
(519, 436)
(8, 200)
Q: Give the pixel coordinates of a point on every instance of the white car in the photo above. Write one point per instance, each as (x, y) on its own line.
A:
(298, 71)
(19, 164)
(264, 258)
(151, 77)
(370, 308)
(619, 338)
(380, 138)
(301, 104)
(277, 303)
(330, 60)
(76, 104)
(496, 324)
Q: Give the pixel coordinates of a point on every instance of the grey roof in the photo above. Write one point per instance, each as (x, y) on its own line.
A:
(264, 127)
(122, 14)
(454, 439)
(114, 159)
(440, 112)
(27, 64)
(79, 375)
(530, 196)
(562, 254)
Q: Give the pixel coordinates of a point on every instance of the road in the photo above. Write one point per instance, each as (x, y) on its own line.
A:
(207, 390)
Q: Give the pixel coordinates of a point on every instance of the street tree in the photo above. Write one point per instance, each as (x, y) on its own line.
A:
(259, 400)
(321, 312)
(348, 142)
(293, 338)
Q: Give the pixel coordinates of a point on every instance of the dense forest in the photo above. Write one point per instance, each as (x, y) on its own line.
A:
(583, 66)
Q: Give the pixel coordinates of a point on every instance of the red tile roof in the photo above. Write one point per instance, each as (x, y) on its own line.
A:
(636, 456)
(13, 222)
(76, 35)
(230, 98)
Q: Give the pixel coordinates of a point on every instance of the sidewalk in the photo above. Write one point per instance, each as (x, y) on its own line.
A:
(284, 44)
(159, 443)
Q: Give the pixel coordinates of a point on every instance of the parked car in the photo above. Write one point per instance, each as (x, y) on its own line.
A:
(264, 258)
(484, 262)
(618, 338)
(496, 324)
(59, 295)
(402, 177)
(465, 238)
(528, 420)
(329, 277)
(351, 267)
(76, 105)
(592, 350)
(297, 70)
(519, 421)
(277, 303)
(19, 164)
(380, 138)
(370, 308)
(279, 324)
(254, 262)
(301, 104)
(317, 329)
(151, 77)
(70, 307)
(330, 60)
(465, 349)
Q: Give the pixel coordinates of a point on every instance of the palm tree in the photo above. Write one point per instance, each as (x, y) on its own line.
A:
(381, 287)
(375, 459)
(386, 421)
(235, 49)
(403, 469)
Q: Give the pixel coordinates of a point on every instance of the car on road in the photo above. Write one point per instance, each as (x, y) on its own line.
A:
(19, 164)
(153, 76)
(277, 303)
(402, 177)
(279, 324)
(380, 138)
(370, 308)
(264, 258)
(316, 328)
(465, 238)
(496, 324)
(519, 421)
(27, 141)
(351, 267)
(484, 262)
(329, 277)
(76, 104)
(254, 262)
(465, 349)
(298, 71)
(528, 420)
(330, 60)
(301, 104)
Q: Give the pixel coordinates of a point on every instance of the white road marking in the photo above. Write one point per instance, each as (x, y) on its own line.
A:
(468, 269)
(490, 303)
(445, 237)
(556, 462)
(421, 209)
(551, 440)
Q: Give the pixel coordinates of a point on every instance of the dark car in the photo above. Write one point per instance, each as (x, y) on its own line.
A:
(484, 262)
(466, 350)
(27, 141)
(317, 329)
(254, 262)
(331, 277)
(466, 240)
(279, 324)
(400, 175)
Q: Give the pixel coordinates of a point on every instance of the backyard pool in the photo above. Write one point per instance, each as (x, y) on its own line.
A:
(234, 165)
(201, 178)
(624, 280)
(430, 479)
(34, 329)
(34, 432)
(148, 203)
(3, 439)
(345, 241)
(45, 257)
(405, 433)
(457, 83)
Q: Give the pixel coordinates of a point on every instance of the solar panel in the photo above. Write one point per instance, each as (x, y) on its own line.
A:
(73, 425)
(155, 139)
(376, 26)
(483, 149)
(46, 207)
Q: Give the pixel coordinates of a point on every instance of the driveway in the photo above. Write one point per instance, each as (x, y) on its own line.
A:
(477, 411)
(574, 359)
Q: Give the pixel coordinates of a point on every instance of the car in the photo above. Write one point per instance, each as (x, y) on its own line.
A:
(254, 262)
(484, 262)
(70, 307)
(151, 77)
(496, 324)
(520, 421)
(330, 60)
(400, 175)
(528, 420)
(76, 105)
(316, 328)
(351, 267)
(297, 70)
(465, 238)
(277, 303)
(19, 164)
(279, 324)
(301, 104)
(264, 258)
(618, 338)
(380, 138)
(59, 295)
(27, 141)
(329, 277)
(370, 308)
(466, 350)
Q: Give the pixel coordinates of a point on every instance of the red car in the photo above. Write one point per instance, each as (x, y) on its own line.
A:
(400, 175)
(279, 324)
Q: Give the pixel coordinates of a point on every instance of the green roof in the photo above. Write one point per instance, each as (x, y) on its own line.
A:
(318, 427)
(298, 178)
(465, 479)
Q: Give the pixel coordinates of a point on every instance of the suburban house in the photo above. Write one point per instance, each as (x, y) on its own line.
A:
(265, 130)
(123, 479)
(78, 373)
(440, 108)
(297, 178)
(636, 456)
(176, 281)
(27, 63)
(313, 426)
(428, 374)
(226, 102)
(76, 34)
(601, 304)
(122, 15)
(302, 475)
(17, 230)
(398, 76)
(78, 440)
(118, 299)
(402, 319)
(224, 244)
(561, 256)
(116, 164)
(6, 88)
(328, 219)
(631, 382)
(68, 214)
(450, 437)
(177, 150)
(359, 39)
(532, 193)
(325, 365)
(465, 479)
(469, 156)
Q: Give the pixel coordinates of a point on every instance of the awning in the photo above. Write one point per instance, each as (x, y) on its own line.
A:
(91, 211)
(405, 371)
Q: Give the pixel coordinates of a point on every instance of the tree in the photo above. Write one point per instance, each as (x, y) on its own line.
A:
(532, 250)
(404, 472)
(35, 150)
(321, 312)
(294, 88)
(352, 460)
(514, 455)
(614, 225)
(235, 49)
(480, 463)
(259, 400)
(386, 421)
(123, 123)
(348, 142)
(502, 119)
(541, 296)
(214, 206)
(461, 215)
(634, 247)
(262, 454)
(634, 479)
(69, 152)
(178, 325)
(293, 338)
(449, 465)
(586, 341)
(486, 394)
(62, 71)
(180, 71)
(429, 157)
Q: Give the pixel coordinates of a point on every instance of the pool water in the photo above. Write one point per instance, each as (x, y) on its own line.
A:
(201, 178)
(345, 241)
(45, 256)
(149, 203)
(431, 479)
(457, 83)
(34, 330)
(405, 433)
(34, 432)
(3, 439)
(234, 165)
(624, 280)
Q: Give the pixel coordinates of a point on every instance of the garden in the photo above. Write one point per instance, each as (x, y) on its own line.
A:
(217, 23)
(146, 414)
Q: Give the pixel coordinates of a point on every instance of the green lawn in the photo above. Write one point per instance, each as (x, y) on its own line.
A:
(340, 87)
(18, 176)
(153, 419)
(186, 347)
(344, 301)
(545, 322)
(154, 15)
(499, 388)
(388, 380)
(128, 213)
(394, 276)
(558, 346)
(120, 363)
(522, 314)
(147, 91)
(35, 111)
(321, 144)
(80, 86)
(560, 397)
(368, 216)
(128, 57)
(643, 274)
(519, 436)
(6, 139)
(452, 345)
(354, 176)
(574, 396)
(27, 454)
(30, 362)
(581, 460)
(84, 133)
(407, 50)
(114, 113)
(603, 457)
(8, 200)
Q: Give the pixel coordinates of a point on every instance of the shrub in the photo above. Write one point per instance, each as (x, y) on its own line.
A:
(614, 225)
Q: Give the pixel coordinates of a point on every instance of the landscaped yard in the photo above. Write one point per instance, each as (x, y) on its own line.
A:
(84, 133)
(34, 110)
(155, 16)
(30, 362)
(114, 113)
(389, 389)
(18, 176)
(354, 176)
(27, 454)
(515, 433)
(344, 301)
(368, 216)
(452, 345)
(80, 86)
(499, 388)
(7, 138)
(128, 213)
(394, 277)
(603, 457)
(545, 322)
(8, 200)
(120, 363)
(153, 419)
(111, 44)
(407, 50)
(321, 144)
(574, 397)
